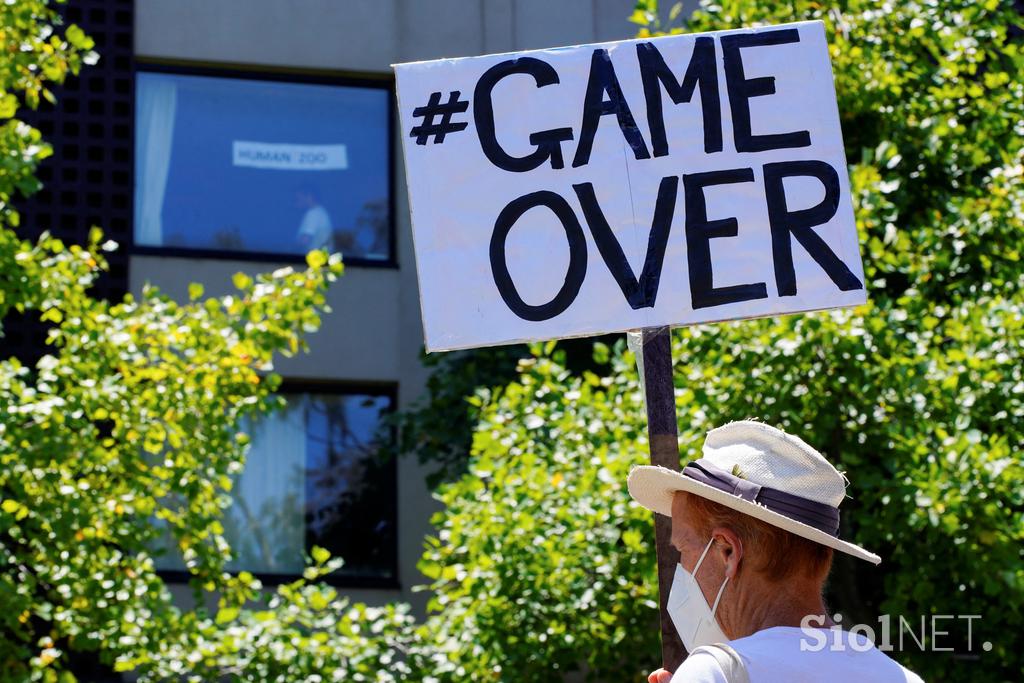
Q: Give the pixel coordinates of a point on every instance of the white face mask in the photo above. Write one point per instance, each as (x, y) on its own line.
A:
(693, 619)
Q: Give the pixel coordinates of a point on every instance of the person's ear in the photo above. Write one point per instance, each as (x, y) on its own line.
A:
(729, 548)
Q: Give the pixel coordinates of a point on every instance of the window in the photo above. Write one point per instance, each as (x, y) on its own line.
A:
(313, 478)
(262, 168)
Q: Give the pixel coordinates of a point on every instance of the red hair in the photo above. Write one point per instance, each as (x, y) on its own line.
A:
(774, 553)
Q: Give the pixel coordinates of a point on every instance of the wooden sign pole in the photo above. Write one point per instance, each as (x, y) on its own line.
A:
(663, 435)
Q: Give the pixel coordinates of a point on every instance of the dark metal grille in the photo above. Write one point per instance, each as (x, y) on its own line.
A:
(88, 180)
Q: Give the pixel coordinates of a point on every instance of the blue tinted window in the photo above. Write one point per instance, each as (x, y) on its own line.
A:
(261, 166)
(312, 477)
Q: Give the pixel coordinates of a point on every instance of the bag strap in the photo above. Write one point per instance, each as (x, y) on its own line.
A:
(728, 659)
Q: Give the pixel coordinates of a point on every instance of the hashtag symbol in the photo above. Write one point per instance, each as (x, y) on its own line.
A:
(445, 111)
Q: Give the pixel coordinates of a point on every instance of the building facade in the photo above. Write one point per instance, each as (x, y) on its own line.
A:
(233, 136)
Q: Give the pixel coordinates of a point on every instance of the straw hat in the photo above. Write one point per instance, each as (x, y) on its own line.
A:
(760, 471)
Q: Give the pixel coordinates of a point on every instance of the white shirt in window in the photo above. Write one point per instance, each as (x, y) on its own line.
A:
(773, 655)
(316, 227)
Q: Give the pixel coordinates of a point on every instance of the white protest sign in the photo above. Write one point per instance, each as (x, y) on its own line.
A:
(618, 186)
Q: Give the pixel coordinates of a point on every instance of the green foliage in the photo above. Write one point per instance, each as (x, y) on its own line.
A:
(438, 428)
(34, 56)
(126, 431)
(541, 563)
(304, 631)
(541, 560)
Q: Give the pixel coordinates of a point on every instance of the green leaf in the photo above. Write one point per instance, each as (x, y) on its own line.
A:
(316, 259)
(8, 105)
(227, 614)
(639, 17)
(77, 37)
(317, 601)
(241, 281)
(320, 555)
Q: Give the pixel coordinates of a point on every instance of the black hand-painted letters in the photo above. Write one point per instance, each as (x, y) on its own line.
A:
(741, 89)
(786, 223)
(702, 72)
(577, 255)
(604, 97)
(548, 142)
(639, 292)
(700, 231)
(603, 81)
(642, 292)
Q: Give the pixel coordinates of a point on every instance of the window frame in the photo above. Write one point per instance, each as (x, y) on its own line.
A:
(274, 75)
(333, 388)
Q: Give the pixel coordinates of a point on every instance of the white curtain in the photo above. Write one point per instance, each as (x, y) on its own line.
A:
(156, 100)
(268, 514)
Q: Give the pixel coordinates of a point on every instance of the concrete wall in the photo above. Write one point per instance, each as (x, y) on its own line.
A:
(367, 35)
(374, 332)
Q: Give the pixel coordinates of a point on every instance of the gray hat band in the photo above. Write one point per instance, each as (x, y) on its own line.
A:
(810, 512)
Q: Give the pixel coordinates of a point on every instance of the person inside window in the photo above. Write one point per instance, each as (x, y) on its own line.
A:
(315, 230)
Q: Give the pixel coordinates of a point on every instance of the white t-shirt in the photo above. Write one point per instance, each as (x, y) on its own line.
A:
(316, 225)
(773, 655)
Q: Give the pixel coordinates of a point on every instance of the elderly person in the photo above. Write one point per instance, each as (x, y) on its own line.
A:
(755, 522)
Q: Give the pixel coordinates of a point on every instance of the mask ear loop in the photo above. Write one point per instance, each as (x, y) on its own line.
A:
(714, 608)
(702, 555)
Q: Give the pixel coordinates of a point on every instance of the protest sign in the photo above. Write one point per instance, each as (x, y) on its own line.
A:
(627, 185)
(635, 185)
